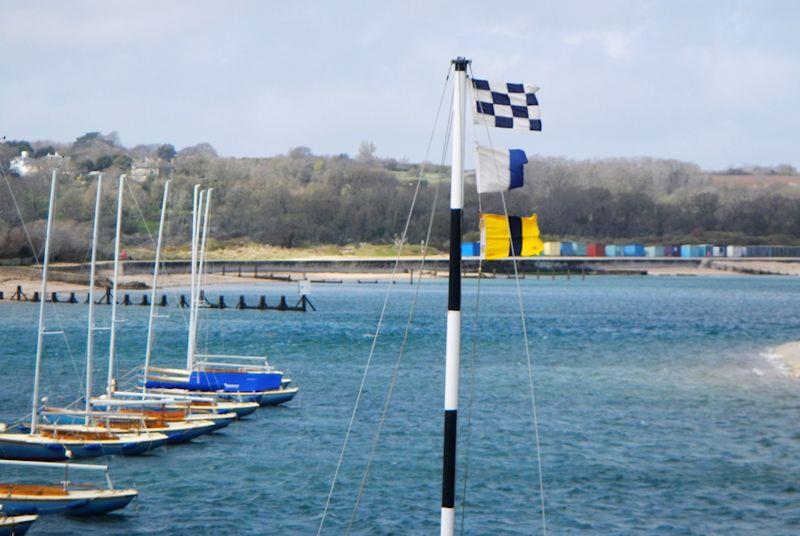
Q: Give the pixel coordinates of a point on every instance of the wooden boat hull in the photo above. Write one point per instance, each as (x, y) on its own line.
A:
(186, 431)
(73, 502)
(22, 446)
(220, 420)
(273, 397)
(171, 433)
(14, 448)
(277, 396)
(16, 525)
(239, 409)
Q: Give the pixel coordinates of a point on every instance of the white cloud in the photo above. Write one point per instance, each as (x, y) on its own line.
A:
(615, 44)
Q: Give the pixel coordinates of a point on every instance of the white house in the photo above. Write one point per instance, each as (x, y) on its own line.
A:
(23, 164)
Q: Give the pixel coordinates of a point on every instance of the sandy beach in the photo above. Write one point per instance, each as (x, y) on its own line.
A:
(68, 281)
(29, 279)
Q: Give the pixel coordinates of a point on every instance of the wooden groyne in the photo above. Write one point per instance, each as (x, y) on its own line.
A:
(302, 305)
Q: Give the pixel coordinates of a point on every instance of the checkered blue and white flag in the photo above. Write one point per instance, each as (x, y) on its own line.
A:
(506, 105)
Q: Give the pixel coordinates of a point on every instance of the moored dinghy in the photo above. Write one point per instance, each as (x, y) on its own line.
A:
(65, 498)
(124, 416)
(51, 444)
(15, 525)
(248, 378)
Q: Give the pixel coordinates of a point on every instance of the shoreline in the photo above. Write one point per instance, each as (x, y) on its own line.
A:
(67, 277)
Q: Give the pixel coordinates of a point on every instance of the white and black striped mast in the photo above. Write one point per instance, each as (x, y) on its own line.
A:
(453, 352)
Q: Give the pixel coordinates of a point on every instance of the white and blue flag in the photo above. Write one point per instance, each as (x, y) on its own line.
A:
(498, 171)
(506, 105)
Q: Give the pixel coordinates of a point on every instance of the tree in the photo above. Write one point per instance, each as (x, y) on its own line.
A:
(86, 139)
(366, 151)
(300, 152)
(44, 151)
(19, 146)
(201, 149)
(166, 152)
(123, 162)
(104, 162)
(86, 165)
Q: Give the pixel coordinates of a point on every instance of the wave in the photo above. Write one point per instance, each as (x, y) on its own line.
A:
(785, 358)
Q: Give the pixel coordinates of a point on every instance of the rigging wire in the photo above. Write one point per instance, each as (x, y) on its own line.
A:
(53, 308)
(162, 269)
(529, 360)
(383, 310)
(471, 391)
(406, 331)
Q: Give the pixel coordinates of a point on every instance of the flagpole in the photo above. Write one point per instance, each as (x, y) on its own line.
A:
(453, 352)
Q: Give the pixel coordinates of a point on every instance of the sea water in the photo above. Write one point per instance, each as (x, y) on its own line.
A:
(657, 409)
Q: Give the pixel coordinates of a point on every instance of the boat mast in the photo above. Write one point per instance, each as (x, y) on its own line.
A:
(203, 241)
(90, 329)
(43, 299)
(151, 319)
(453, 351)
(205, 202)
(195, 208)
(113, 338)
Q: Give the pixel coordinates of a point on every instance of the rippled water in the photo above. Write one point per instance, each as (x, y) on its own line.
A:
(658, 411)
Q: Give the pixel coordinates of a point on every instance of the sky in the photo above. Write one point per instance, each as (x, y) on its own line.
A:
(715, 82)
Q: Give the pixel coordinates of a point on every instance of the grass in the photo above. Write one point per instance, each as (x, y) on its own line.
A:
(246, 251)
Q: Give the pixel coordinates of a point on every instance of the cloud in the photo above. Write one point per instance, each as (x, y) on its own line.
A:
(617, 45)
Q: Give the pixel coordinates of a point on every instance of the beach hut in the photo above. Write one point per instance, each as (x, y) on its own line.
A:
(470, 249)
(552, 249)
(614, 250)
(719, 251)
(785, 251)
(757, 251)
(633, 250)
(734, 251)
(595, 249)
(654, 251)
(579, 249)
(691, 251)
(566, 249)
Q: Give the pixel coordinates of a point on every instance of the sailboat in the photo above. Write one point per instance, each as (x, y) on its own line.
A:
(124, 416)
(229, 377)
(47, 442)
(66, 498)
(197, 405)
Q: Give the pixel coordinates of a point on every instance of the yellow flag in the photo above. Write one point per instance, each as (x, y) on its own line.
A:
(503, 237)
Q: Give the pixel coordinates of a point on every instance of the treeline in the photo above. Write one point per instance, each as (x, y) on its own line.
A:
(302, 199)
